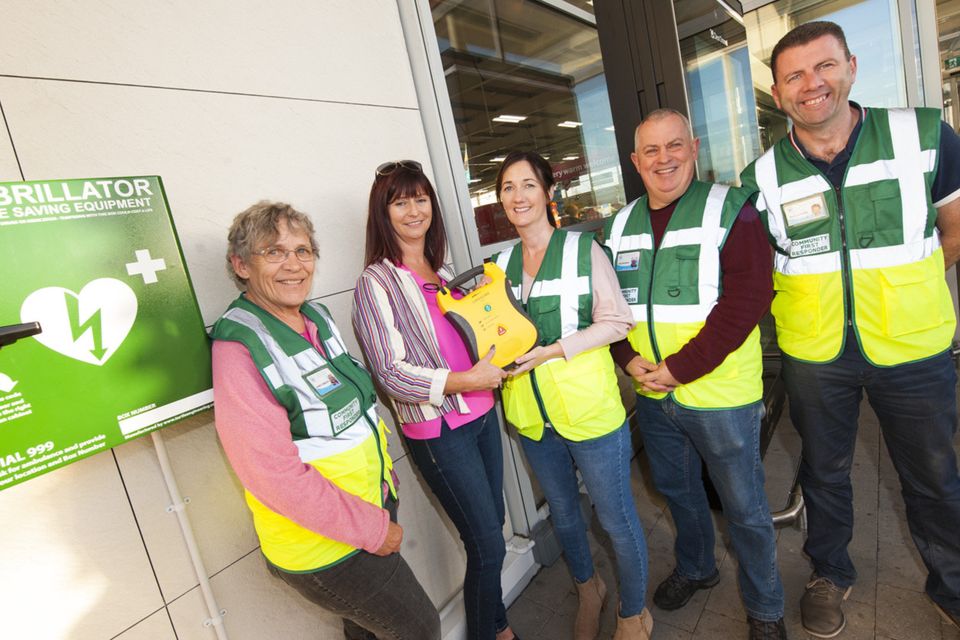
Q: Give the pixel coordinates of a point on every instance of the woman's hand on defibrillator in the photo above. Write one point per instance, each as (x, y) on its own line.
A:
(485, 374)
(482, 376)
(535, 357)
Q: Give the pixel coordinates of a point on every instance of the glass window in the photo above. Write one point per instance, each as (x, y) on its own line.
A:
(872, 29)
(525, 75)
(713, 48)
(948, 32)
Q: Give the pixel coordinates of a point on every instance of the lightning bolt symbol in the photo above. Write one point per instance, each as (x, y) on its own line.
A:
(91, 324)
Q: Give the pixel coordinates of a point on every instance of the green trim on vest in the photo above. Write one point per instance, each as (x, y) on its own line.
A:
(579, 398)
(873, 259)
(673, 288)
(560, 301)
(331, 405)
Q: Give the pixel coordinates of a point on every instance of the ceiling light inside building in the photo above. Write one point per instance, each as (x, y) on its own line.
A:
(571, 157)
(508, 118)
(498, 159)
(570, 124)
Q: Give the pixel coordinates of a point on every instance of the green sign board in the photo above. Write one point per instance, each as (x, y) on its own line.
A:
(123, 349)
(951, 63)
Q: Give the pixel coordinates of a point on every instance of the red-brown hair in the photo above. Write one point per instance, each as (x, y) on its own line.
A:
(402, 182)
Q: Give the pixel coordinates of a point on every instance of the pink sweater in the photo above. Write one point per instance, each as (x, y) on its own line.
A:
(255, 433)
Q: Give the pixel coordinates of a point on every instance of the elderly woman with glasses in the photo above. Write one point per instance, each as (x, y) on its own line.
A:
(444, 402)
(297, 418)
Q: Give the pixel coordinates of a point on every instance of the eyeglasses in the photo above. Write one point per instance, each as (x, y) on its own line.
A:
(389, 167)
(276, 254)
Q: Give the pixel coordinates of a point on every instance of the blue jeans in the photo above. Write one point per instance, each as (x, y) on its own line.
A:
(464, 469)
(604, 463)
(916, 404)
(678, 441)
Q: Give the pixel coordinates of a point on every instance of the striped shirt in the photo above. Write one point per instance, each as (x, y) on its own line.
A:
(393, 324)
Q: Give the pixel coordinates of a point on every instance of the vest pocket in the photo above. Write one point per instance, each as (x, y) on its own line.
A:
(796, 305)
(520, 404)
(886, 216)
(545, 313)
(681, 273)
(911, 296)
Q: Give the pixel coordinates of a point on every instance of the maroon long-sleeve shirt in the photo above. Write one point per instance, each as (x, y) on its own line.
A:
(746, 265)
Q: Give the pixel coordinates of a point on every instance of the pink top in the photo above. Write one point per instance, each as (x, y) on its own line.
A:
(454, 351)
(255, 433)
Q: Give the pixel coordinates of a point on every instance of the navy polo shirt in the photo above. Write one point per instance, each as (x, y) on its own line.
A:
(946, 183)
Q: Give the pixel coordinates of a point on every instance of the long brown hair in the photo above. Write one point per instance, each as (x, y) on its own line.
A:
(402, 182)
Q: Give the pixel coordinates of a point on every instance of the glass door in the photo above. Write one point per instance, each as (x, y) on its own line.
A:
(529, 75)
(726, 61)
(948, 37)
(723, 112)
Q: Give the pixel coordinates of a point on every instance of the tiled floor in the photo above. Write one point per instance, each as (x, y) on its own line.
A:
(887, 603)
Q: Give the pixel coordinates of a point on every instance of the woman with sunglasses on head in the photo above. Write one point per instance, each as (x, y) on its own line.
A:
(563, 396)
(444, 402)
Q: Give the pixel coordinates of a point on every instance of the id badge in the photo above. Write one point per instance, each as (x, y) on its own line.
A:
(804, 210)
(628, 261)
(324, 381)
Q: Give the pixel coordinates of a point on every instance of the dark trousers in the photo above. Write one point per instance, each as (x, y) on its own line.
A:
(464, 469)
(916, 404)
(378, 597)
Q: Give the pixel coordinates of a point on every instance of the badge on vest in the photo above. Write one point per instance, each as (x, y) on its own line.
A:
(631, 295)
(323, 381)
(628, 261)
(344, 418)
(804, 210)
(810, 246)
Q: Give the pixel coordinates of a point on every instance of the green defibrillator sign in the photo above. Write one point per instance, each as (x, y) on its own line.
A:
(122, 351)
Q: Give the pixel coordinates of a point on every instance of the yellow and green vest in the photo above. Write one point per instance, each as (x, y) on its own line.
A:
(331, 404)
(874, 262)
(579, 398)
(671, 290)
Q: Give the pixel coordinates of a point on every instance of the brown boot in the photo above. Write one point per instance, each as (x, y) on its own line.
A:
(638, 627)
(593, 597)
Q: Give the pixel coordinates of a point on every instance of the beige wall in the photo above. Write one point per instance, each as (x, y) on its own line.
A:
(289, 100)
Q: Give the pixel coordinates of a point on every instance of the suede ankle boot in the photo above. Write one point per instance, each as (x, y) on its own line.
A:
(638, 627)
(593, 597)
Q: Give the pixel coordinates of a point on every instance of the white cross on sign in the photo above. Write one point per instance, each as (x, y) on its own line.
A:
(145, 267)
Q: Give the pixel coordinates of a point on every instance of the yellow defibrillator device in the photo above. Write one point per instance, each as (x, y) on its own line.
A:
(489, 315)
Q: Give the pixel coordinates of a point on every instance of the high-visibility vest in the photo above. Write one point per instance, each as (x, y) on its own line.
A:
(872, 256)
(671, 290)
(579, 398)
(331, 404)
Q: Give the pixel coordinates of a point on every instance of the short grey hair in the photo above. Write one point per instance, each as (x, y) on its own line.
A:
(259, 225)
(660, 114)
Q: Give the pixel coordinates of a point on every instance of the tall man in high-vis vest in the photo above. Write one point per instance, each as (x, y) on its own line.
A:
(863, 209)
(694, 265)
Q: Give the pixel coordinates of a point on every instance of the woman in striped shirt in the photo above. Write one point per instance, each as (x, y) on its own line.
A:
(444, 402)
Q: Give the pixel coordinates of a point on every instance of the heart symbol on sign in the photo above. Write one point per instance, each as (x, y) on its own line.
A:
(89, 326)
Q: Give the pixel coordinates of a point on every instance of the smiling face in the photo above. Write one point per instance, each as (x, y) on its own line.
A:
(410, 217)
(813, 83)
(278, 287)
(523, 197)
(665, 157)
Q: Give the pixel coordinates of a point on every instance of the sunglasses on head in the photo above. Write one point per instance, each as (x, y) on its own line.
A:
(389, 167)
